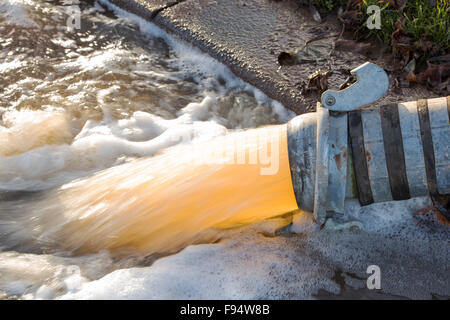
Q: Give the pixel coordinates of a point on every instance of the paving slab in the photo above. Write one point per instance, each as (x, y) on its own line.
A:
(248, 36)
(252, 37)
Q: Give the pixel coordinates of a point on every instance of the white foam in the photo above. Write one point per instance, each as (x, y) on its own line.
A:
(16, 12)
(77, 149)
(99, 144)
(412, 250)
(8, 66)
(412, 260)
(46, 276)
(226, 271)
(202, 66)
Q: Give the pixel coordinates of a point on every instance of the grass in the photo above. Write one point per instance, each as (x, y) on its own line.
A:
(329, 5)
(419, 21)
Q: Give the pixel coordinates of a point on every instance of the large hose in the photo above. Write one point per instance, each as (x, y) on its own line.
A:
(393, 152)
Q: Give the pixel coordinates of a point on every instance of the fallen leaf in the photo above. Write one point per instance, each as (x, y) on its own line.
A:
(412, 78)
(314, 51)
(402, 46)
(317, 81)
(401, 41)
(445, 59)
(354, 4)
(436, 76)
(434, 211)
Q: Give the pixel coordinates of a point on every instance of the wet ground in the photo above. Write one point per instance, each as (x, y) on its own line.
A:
(273, 45)
(75, 102)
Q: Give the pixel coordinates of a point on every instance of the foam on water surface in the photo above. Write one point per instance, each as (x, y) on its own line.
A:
(107, 99)
(16, 12)
(255, 265)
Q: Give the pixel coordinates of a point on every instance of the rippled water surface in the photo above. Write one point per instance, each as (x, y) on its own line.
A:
(75, 102)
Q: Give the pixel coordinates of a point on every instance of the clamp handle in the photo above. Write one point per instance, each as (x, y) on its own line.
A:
(372, 84)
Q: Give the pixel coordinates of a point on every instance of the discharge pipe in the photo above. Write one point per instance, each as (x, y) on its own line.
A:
(392, 152)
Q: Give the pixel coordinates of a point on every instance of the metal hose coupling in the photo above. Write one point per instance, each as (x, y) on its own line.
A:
(392, 152)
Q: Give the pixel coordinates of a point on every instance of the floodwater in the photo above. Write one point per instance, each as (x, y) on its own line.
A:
(88, 156)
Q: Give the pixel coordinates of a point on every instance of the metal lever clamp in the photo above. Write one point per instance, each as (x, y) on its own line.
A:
(332, 137)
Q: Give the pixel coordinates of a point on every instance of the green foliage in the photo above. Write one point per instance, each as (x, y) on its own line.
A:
(432, 23)
(389, 16)
(418, 19)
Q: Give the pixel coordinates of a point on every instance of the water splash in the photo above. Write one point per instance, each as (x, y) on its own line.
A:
(161, 204)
